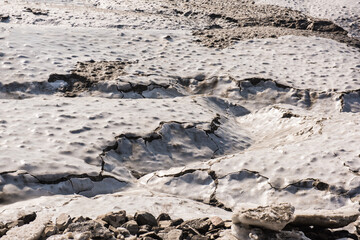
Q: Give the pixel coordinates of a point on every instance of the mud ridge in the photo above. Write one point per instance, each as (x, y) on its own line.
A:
(231, 21)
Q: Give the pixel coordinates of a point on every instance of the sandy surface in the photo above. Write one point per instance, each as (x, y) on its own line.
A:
(194, 106)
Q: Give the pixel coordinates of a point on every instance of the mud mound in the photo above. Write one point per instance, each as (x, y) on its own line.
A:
(86, 75)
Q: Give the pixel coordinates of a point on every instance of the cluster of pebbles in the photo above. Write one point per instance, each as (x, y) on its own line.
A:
(119, 225)
(276, 221)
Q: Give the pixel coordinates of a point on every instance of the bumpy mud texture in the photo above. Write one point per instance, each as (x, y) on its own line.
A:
(87, 74)
(197, 109)
(229, 21)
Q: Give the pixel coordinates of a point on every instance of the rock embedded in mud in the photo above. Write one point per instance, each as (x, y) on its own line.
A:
(274, 217)
(115, 219)
(63, 221)
(200, 225)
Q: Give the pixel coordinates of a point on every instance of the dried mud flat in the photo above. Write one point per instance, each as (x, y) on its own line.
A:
(226, 119)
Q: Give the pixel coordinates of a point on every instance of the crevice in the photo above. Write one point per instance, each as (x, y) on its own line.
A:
(344, 107)
(140, 88)
(213, 200)
(303, 183)
(256, 80)
(97, 178)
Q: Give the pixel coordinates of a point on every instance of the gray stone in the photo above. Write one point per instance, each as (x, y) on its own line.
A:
(165, 223)
(163, 217)
(131, 226)
(80, 219)
(123, 231)
(63, 221)
(198, 237)
(115, 219)
(151, 235)
(26, 219)
(177, 222)
(217, 222)
(175, 234)
(200, 224)
(49, 231)
(96, 229)
(143, 218)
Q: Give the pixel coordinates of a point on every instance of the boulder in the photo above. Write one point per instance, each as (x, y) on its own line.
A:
(274, 217)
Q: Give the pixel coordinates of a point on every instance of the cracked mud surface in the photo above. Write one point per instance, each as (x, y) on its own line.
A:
(181, 107)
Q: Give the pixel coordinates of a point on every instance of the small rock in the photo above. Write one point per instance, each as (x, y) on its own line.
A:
(4, 17)
(80, 219)
(200, 77)
(115, 219)
(26, 219)
(177, 222)
(144, 229)
(227, 224)
(201, 225)
(217, 222)
(199, 237)
(82, 236)
(151, 235)
(131, 226)
(49, 231)
(95, 228)
(129, 218)
(163, 217)
(123, 231)
(274, 217)
(175, 234)
(3, 230)
(63, 221)
(165, 223)
(143, 218)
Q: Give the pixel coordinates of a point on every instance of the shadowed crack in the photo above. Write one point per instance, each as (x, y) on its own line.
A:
(300, 184)
(213, 201)
(173, 144)
(36, 185)
(140, 88)
(98, 178)
(350, 101)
